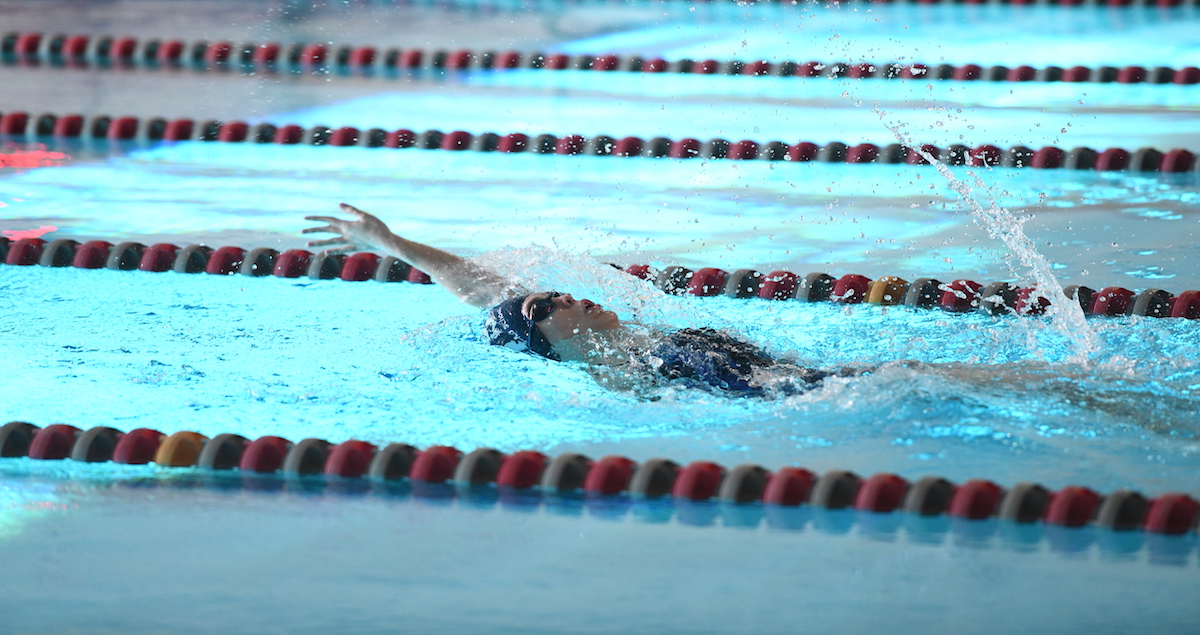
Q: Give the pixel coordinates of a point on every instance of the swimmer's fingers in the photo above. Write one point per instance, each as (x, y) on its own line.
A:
(329, 229)
(325, 219)
(350, 209)
(340, 250)
(328, 241)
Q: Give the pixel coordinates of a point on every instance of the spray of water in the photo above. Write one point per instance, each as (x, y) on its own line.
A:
(542, 268)
(1065, 315)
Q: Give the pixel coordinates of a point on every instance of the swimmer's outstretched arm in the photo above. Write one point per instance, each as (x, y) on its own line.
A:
(470, 282)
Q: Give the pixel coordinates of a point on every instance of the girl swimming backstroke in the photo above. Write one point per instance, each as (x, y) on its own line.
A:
(558, 327)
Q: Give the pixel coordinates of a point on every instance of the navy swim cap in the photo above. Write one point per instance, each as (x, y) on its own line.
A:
(506, 326)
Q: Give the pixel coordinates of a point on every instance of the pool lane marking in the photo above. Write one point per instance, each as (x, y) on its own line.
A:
(84, 51)
(529, 474)
(956, 296)
(18, 125)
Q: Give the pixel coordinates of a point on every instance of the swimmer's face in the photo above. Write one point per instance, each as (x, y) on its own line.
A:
(564, 317)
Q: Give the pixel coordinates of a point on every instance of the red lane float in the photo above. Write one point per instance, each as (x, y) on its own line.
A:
(757, 68)
(610, 475)
(289, 135)
(570, 144)
(521, 469)
(743, 150)
(218, 52)
(159, 257)
(1187, 75)
(360, 266)
(27, 44)
(1021, 74)
(225, 261)
(1112, 301)
(264, 455)
(233, 131)
(350, 459)
(25, 252)
(435, 464)
(985, 156)
(862, 153)
(1072, 507)
(457, 141)
(699, 481)
(265, 54)
(639, 271)
(123, 128)
(313, 55)
(138, 447)
(1187, 305)
(1177, 160)
(68, 126)
(708, 281)
(881, 493)
(960, 296)
(1131, 75)
(789, 487)
(968, 73)
(803, 152)
(916, 156)
(778, 285)
(179, 130)
(1172, 514)
(53, 443)
(685, 149)
(1048, 157)
(628, 147)
(14, 123)
(515, 142)
(171, 52)
(850, 289)
(976, 500)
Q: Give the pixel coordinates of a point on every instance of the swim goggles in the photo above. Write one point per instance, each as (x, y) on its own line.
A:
(542, 308)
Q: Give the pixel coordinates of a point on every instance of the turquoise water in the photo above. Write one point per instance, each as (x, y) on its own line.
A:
(1098, 229)
(245, 561)
(407, 363)
(962, 397)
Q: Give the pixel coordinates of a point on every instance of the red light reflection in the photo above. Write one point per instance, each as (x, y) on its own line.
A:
(18, 234)
(10, 158)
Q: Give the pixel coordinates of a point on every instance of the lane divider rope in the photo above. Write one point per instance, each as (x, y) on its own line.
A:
(32, 48)
(51, 127)
(1172, 513)
(956, 296)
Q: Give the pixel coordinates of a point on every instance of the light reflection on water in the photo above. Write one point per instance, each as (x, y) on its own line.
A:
(407, 363)
(874, 220)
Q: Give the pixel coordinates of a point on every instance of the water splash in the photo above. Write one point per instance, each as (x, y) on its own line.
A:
(542, 268)
(1065, 315)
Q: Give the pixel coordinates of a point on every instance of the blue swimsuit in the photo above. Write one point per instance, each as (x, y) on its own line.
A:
(710, 359)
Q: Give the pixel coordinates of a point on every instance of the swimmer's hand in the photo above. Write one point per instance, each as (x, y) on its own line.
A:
(473, 284)
(367, 232)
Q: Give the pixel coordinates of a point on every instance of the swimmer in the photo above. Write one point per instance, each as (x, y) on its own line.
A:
(558, 327)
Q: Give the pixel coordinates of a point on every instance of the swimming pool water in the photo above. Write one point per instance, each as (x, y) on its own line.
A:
(875, 219)
(962, 397)
(408, 363)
